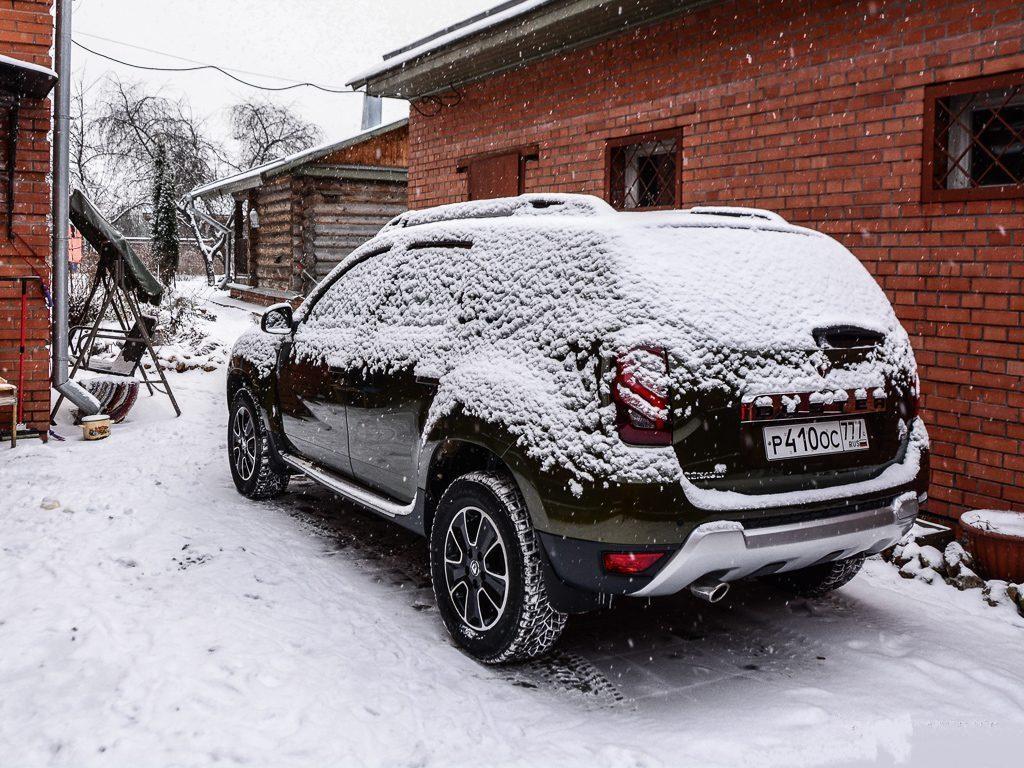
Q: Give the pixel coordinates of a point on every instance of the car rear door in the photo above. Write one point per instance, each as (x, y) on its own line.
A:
(387, 409)
(386, 414)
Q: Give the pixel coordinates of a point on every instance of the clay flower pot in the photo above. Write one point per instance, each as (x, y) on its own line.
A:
(996, 539)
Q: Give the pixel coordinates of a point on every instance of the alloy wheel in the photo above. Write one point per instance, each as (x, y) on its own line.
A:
(243, 443)
(476, 568)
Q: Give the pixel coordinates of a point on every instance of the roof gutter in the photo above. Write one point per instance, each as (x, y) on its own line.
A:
(83, 400)
(442, 63)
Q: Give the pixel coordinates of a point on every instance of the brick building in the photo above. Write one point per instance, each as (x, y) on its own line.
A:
(895, 126)
(26, 36)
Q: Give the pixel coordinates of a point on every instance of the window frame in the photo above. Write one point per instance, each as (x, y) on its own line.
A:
(932, 95)
(618, 142)
(315, 298)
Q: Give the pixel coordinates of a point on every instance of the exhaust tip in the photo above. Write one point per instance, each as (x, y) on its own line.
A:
(711, 591)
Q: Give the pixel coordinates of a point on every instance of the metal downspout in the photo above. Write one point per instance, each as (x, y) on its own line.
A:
(86, 403)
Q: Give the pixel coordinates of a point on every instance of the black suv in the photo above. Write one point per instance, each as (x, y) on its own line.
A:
(573, 403)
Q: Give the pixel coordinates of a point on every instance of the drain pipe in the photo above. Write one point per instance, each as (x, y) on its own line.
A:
(86, 403)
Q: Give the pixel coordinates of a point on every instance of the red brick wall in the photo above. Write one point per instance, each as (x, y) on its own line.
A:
(26, 33)
(814, 109)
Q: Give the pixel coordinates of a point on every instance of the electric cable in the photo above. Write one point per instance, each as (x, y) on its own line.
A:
(201, 67)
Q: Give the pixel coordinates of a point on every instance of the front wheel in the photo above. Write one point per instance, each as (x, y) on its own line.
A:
(485, 567)
(252, 464)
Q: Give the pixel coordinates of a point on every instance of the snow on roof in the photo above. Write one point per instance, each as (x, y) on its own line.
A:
(466, 28)
(506, 37)
(254, 177)
(28, 65)
(39, 77)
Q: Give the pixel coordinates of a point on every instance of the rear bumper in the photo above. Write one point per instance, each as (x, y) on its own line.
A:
(726, 551)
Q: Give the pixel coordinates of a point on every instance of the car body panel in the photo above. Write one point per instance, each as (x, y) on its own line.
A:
(314, 419)
(386, 416)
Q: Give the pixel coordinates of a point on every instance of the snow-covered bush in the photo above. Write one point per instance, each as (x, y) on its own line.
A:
(179, 314)
(953, 566)
(182, 337)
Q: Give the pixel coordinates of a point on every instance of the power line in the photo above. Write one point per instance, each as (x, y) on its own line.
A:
(236, 70)
(214, 67)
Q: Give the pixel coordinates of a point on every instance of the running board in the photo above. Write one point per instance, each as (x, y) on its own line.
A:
(349, 490)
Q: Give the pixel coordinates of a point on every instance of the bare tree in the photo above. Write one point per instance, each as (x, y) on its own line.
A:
(265, 131)
(117, 128)
(91, 168)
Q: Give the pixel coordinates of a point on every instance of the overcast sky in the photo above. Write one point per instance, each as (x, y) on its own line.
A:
(323, 41)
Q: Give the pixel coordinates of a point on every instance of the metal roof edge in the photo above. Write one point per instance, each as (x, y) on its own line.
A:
(496, 44)
(34, 80)
(357, 172)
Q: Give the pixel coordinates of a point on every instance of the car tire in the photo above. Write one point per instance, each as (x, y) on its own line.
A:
(481, 532)
(253, 466)
(818, 580)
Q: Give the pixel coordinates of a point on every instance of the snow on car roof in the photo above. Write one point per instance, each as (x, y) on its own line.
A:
(506, 301)
(591, 210)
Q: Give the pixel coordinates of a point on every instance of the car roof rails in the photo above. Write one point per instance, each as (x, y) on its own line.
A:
(504, 207)
(737, 212)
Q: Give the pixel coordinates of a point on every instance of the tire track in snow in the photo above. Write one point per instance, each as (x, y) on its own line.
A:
(391, 555)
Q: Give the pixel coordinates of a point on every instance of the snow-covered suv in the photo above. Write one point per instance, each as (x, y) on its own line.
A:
(574, 403)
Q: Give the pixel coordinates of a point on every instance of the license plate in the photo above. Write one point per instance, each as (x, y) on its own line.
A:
(820, 439)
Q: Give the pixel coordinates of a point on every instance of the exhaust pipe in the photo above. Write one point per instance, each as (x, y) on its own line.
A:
(62, 382)
(710, 591)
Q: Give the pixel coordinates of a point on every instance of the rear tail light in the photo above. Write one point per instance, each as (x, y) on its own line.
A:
(910, 400)
(914, 401)
(630, 563)
(641, 397)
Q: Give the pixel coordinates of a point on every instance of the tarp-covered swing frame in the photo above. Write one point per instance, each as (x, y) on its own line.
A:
(124, 282)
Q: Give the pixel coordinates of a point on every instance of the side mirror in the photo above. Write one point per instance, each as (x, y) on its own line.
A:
(277, 320)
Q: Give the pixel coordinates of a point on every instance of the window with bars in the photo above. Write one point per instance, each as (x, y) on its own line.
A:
(974, 139)
(643, 171)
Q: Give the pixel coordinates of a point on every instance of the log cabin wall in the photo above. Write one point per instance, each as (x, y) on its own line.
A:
(313, 217)
(389, 150)
(271, 246)
(339, 215)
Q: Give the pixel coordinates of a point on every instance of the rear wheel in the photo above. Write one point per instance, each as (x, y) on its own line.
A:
(818, 580)
(486, 570)
(249, 454)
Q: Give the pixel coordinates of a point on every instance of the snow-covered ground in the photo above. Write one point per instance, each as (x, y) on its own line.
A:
(156, 618)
